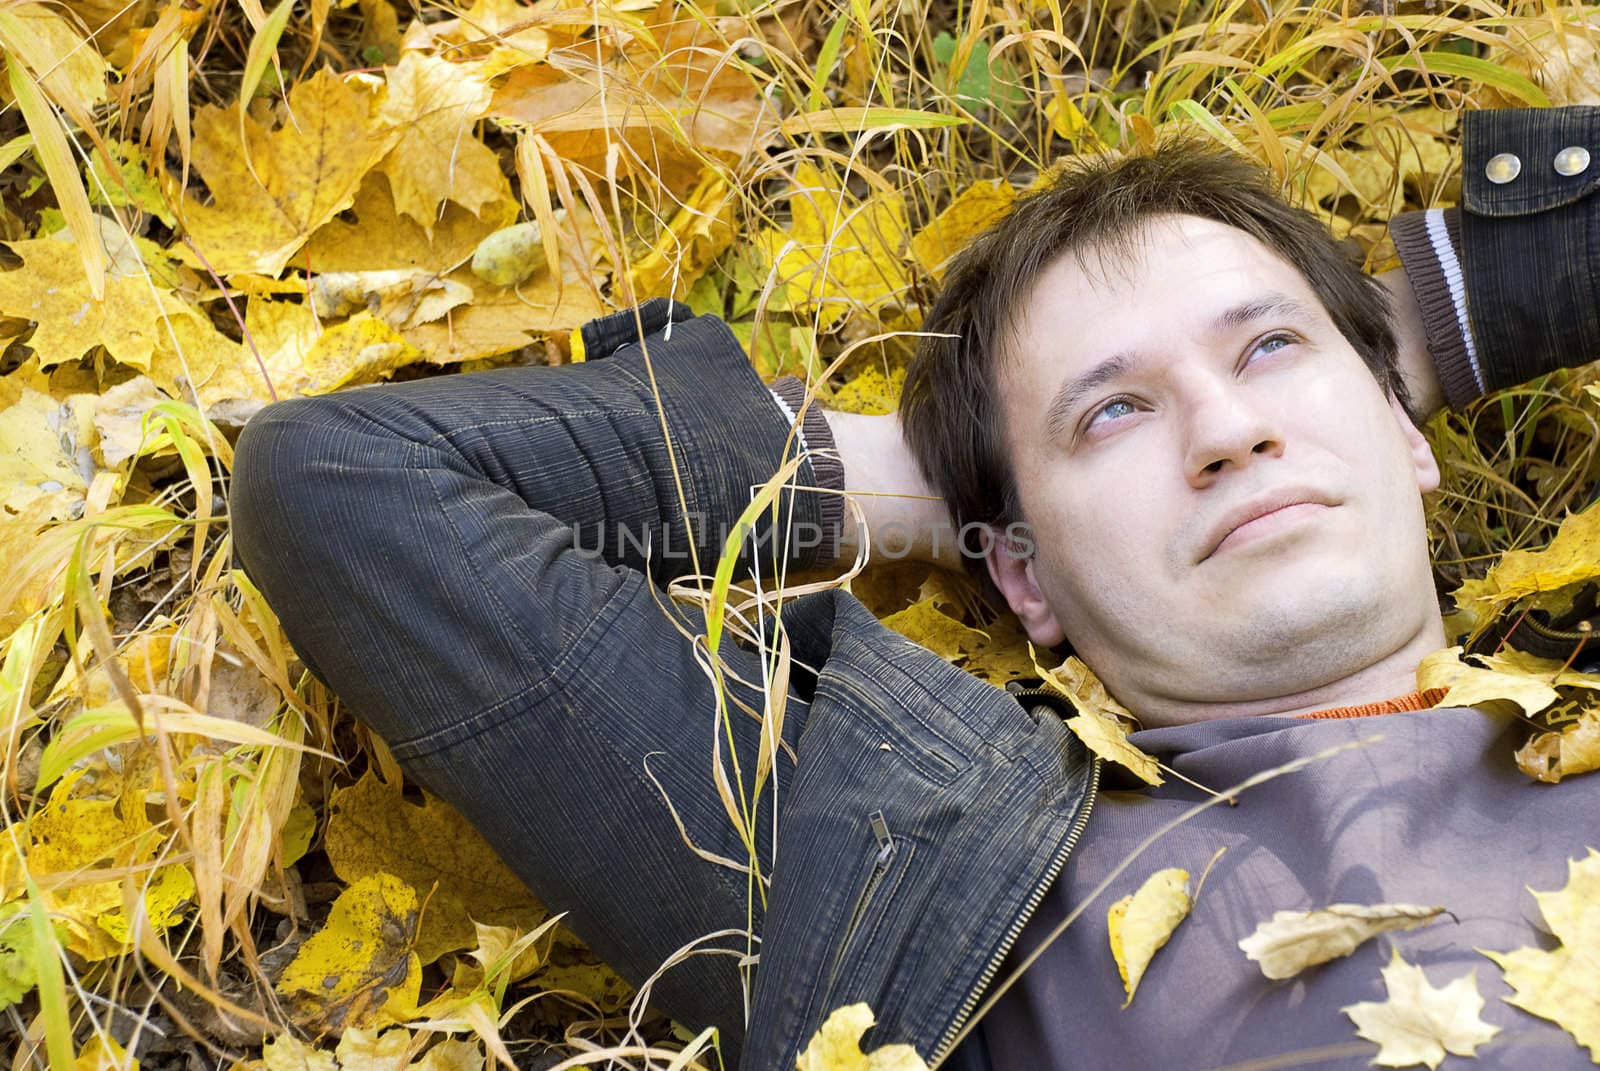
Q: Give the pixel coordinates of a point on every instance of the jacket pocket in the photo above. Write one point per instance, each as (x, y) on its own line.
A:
(890, 857)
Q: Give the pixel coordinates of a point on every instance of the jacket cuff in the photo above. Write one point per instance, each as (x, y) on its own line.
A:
(1429, 245)
(816, 440)
(1528, 239)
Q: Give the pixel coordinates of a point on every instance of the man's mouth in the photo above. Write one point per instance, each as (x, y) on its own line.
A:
(1264, 516)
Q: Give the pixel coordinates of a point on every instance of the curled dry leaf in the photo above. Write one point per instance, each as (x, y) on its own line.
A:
(837, 1046)
(1419, 1023)
(1140, 924)
(1291, 941)
(1563, 985)
(1574, 750)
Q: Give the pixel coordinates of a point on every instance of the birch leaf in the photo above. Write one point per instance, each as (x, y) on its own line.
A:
(1140, 924)
(359, 969)
(1291, 941)
(1563, 985)
(837, 1046)
(1419, 1023)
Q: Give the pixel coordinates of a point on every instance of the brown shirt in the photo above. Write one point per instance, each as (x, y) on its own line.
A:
(1434, 813)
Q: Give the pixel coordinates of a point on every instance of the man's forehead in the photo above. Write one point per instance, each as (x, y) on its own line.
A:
(1173, 271)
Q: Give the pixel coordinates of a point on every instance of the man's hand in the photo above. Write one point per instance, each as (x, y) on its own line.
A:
(1416, 363)
(903, 516)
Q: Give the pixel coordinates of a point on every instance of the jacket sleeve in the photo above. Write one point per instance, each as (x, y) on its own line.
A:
(1508, 282)
(467, 561)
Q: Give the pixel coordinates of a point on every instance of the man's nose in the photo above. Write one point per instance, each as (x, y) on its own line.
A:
(1227, 428)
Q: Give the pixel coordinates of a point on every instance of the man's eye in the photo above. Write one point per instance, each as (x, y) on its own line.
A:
(1273, 343)
(1112, 410)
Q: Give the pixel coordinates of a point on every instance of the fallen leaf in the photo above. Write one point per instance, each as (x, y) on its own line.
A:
(373, 1050)
(288, 1053)
(40, 461)
(869, 391)
(1140, 924)
(450, 1055)
(1103, 723)
(978, 208)
(698, 233)
(1563, 985)
(360, 969)
(1467, 685)
(836, 1046)
(1291, 941)
(434, 104)
(1570, 559)
(102, 1053)
(49, 289)
(1575, 749)
(1419, 1023)
(298, 175)
(119, 418)
(923, 623)
(63, 62)
(373, 830)
(374, 236)
(400, 297)
(837, 254)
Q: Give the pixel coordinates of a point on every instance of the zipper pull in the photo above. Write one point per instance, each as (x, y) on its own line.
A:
(880, 830)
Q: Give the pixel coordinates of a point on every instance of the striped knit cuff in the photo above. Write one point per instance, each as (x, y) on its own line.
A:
(816, 442)
(1429, 244)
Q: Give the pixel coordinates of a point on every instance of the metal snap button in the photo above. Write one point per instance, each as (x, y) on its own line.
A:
(1573, 160)
(1502, 168)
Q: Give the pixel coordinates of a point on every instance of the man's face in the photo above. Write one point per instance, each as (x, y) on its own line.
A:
(1225, 504)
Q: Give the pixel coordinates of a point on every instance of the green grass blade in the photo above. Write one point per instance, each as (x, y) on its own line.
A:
(1473, 69)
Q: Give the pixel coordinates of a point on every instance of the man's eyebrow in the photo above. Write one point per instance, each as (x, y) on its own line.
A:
(1073, 390)
(1272, 303)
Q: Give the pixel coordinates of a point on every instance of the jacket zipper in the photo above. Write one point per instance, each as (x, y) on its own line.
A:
(1015, 930)
(880, 867)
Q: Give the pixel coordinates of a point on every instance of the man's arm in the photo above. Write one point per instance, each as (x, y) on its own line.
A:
(462, 559)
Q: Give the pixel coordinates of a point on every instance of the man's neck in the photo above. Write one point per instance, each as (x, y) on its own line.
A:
(1391, 676)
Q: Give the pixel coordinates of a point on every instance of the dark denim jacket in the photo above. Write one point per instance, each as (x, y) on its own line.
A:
(427, 546)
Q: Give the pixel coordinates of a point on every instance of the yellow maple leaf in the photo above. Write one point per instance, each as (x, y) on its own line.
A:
(1468, 685)
(836, 1046)
(102, 1053)
(49, 289)
(922, 622)
(359, 969)
(869, 391)
(293, 179)
(372, 829)
(1140, 924)
(974, 211)
(1419, 1022)
(379, 238)
(1103, 722)
(837, 254)
(434, 104)
(1291, 941)
(373, 1050)
(1563, 985)
(1571, 558)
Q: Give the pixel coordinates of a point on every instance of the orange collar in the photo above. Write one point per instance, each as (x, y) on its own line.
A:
(1399, 704)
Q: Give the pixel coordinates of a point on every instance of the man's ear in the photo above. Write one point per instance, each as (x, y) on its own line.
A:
(1422, 458)
(1013, 573)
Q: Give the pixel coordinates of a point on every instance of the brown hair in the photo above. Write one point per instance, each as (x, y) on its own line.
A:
(949, 408)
